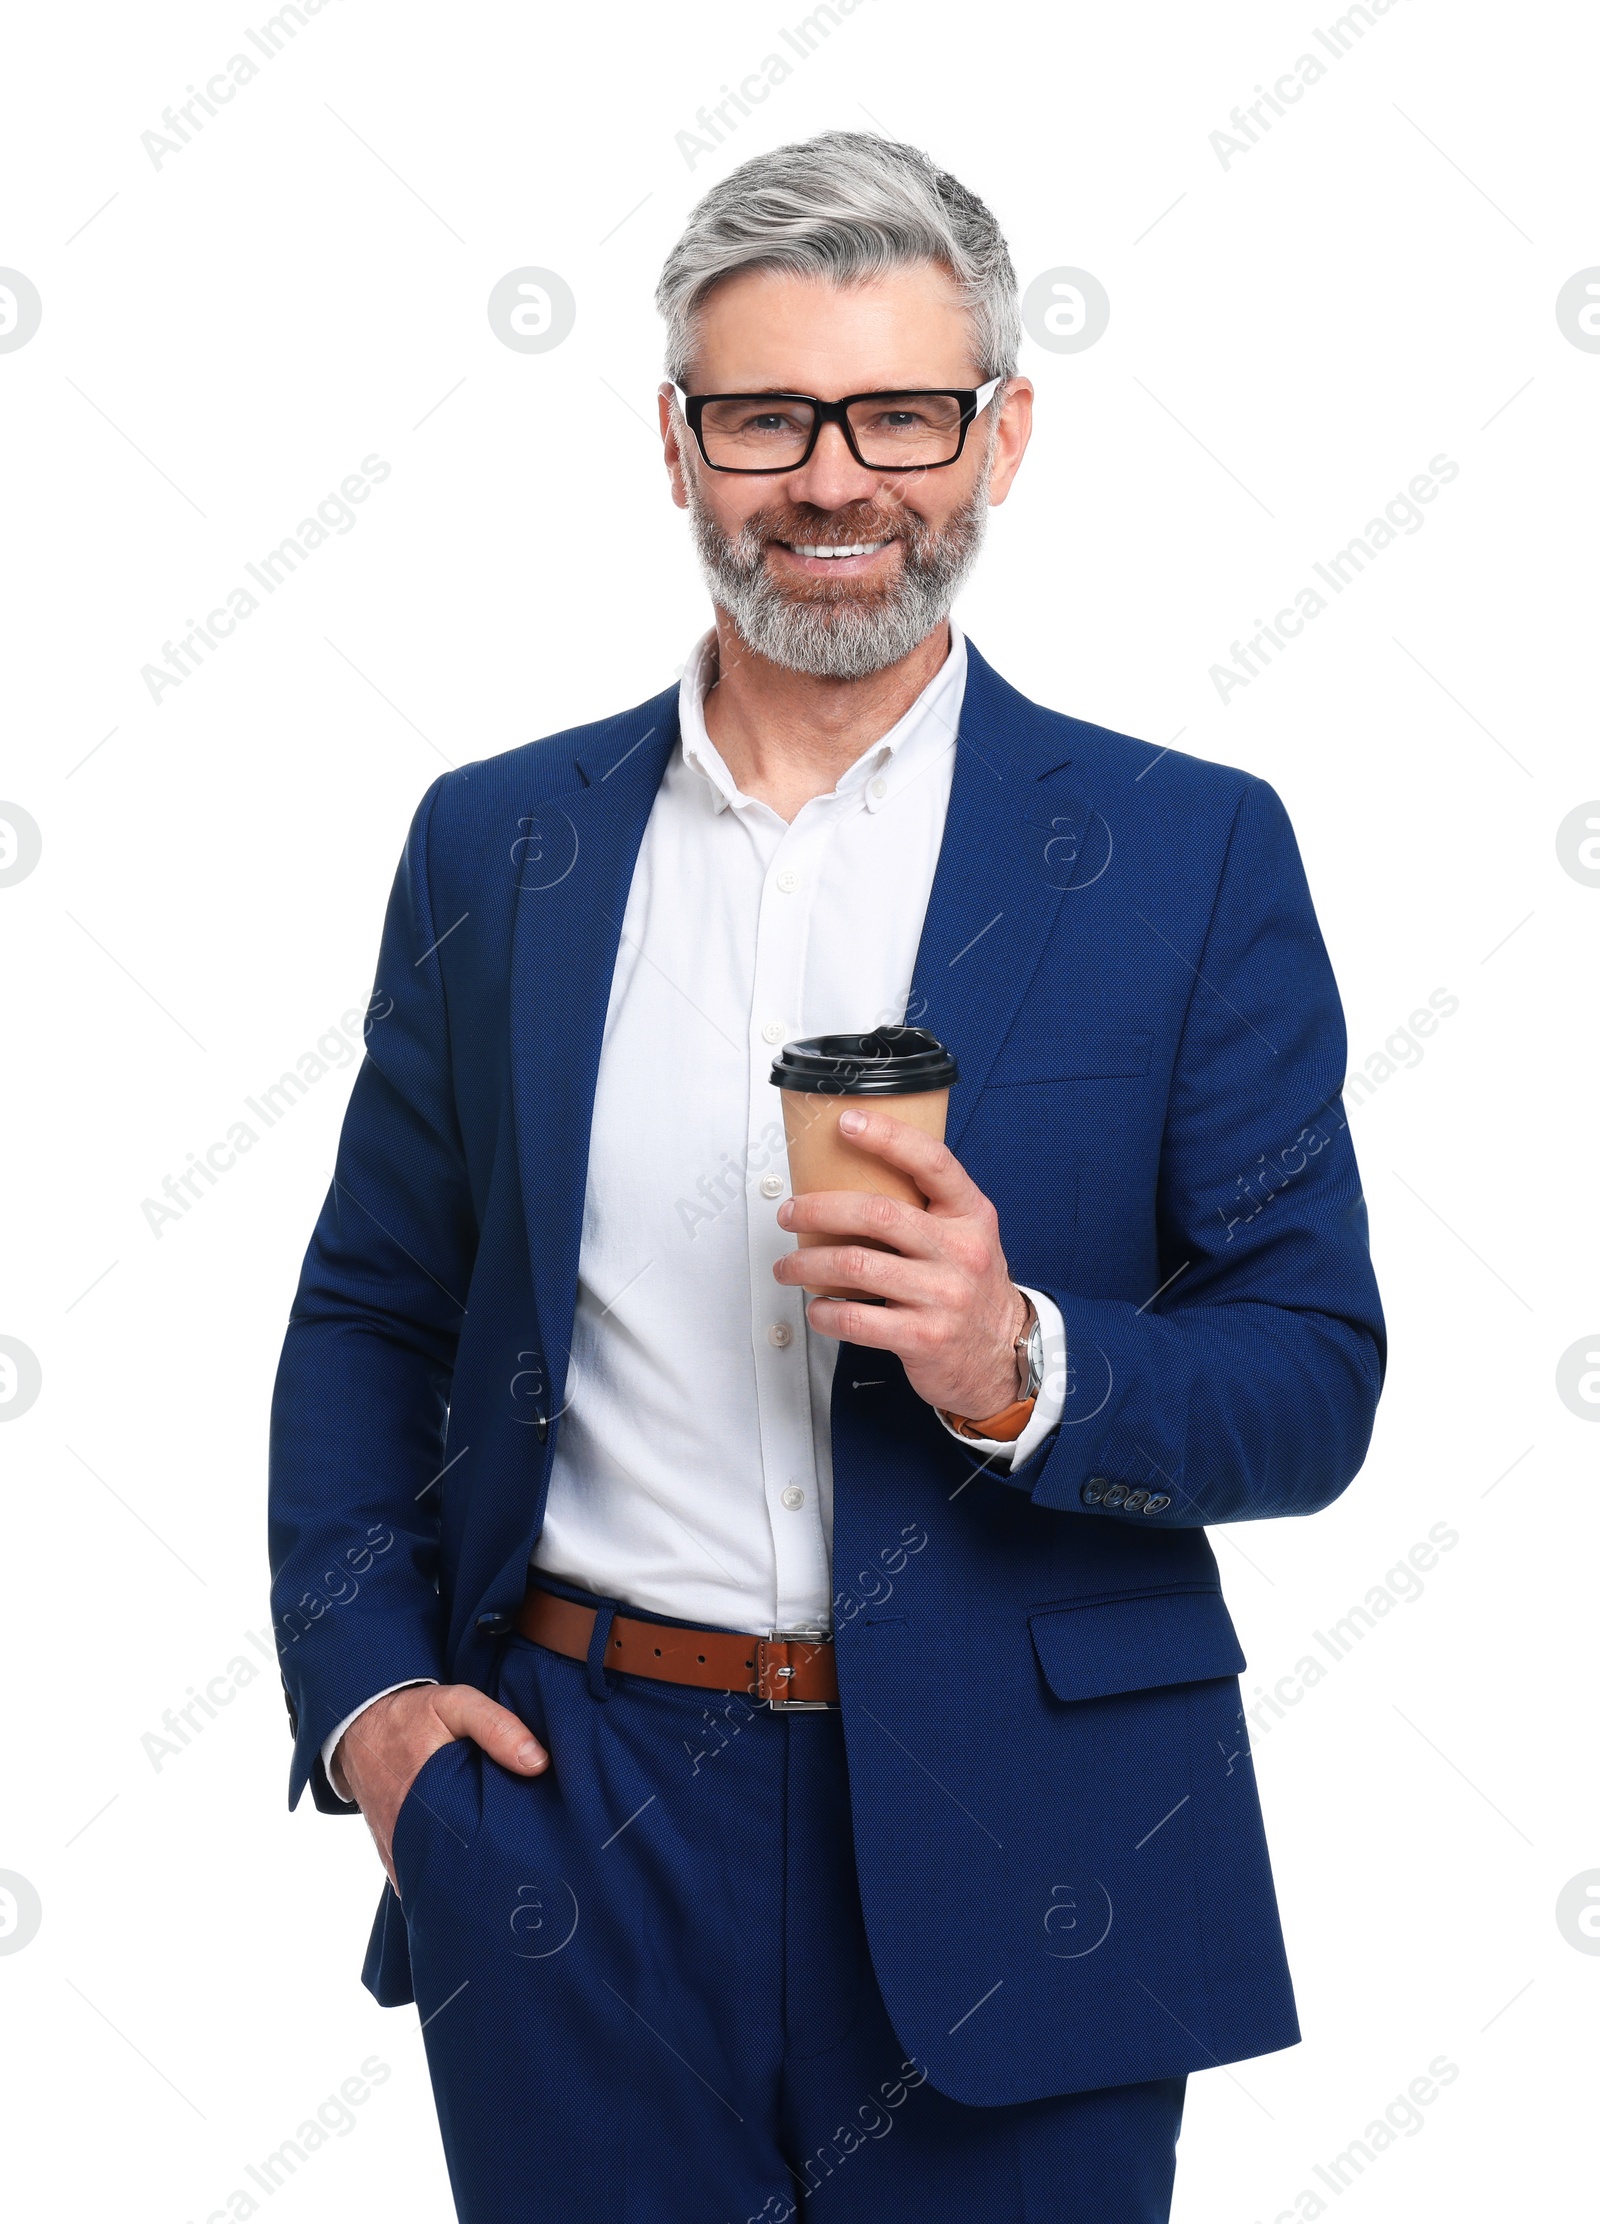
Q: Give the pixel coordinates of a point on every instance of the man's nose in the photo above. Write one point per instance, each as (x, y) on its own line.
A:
(832, 478)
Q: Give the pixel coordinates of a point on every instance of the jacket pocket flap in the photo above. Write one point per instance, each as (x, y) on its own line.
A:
(1072, 1057)
(1099, 1646)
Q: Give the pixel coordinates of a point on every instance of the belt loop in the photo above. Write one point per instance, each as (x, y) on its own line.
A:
(599, 1639)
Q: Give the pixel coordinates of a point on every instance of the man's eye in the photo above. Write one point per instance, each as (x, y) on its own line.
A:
(897, 423)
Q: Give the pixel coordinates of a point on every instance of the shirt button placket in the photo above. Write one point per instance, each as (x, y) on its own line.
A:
(781, 1366)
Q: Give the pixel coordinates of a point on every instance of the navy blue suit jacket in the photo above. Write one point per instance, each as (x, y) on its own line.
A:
(1053, 1802)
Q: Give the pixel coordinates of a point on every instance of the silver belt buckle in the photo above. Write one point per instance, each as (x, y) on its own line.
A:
(793, 1706)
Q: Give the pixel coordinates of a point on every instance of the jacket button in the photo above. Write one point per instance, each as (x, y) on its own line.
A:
(1116, 1494)
(1093, 1490)
(1154, 1503)
(1135, 1499)
(494, 1625)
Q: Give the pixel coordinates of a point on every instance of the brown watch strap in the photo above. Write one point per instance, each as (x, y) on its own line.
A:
(1003, 1427)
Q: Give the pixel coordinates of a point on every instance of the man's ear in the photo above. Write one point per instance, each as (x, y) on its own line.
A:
(674, 433)
(1011, 437)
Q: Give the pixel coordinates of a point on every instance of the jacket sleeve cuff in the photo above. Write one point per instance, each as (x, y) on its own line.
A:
(352, 1663)
(1110, 1429)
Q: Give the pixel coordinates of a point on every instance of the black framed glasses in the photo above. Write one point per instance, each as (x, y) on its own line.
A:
(918, 428)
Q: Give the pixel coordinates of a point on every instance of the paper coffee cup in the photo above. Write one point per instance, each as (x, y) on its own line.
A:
(901, 1070)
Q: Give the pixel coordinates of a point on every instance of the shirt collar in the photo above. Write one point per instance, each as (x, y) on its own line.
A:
(919, 736)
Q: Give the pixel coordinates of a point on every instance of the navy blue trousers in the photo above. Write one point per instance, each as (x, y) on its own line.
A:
(647, 1996)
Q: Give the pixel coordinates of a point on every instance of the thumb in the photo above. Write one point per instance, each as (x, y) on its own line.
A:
(466, 1711)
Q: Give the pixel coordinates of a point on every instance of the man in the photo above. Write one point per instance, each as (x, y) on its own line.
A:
(802, 1734)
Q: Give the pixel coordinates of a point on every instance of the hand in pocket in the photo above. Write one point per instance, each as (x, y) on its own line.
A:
(379, 1757)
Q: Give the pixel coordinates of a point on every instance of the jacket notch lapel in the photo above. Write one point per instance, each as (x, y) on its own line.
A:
(1016, 837)
(574, 858)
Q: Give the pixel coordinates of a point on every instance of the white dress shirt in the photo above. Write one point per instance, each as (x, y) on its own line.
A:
(693, 1471)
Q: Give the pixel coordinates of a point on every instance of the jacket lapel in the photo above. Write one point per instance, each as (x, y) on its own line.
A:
(574, 859)
(1015, 839)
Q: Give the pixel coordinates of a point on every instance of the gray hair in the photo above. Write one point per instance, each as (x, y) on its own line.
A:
(844, 205)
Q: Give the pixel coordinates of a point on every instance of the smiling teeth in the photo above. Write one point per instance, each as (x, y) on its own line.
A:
(856, 548)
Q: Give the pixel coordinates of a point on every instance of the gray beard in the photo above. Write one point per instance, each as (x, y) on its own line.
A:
(843, 636)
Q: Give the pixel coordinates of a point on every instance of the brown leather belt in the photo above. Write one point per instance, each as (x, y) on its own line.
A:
(787, 1670)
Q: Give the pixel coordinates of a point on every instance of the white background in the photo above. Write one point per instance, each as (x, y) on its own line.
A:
(1292, 338)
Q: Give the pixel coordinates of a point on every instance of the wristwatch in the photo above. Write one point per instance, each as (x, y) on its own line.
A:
(1008, 1424)
(1029, 1348)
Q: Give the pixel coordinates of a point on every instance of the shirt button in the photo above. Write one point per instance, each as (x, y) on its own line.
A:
(794, 1498)
(772, 1185)
(773, 1031)
(788, 880)
(880, 787)
(780, 1333)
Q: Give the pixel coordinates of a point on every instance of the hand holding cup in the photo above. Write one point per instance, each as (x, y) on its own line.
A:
(898, 1244)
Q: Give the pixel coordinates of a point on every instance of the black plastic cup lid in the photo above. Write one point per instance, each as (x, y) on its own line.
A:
(888, 1062)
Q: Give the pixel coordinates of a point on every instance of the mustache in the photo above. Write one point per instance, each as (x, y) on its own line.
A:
(789, 522)
(825, 528)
